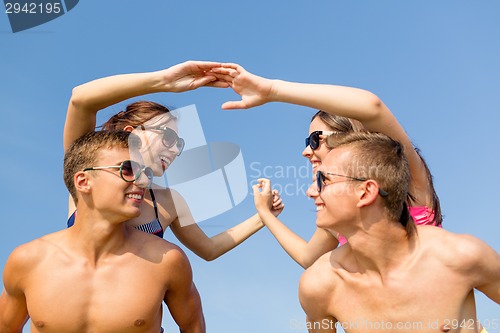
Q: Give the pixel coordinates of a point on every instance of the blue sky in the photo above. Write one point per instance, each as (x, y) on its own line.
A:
(436, 64)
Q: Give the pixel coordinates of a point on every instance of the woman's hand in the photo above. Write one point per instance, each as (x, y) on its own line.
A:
(254, 90)
(190, 75)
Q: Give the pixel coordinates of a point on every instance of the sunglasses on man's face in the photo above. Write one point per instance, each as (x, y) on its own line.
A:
(313, 139)
(169, 138)
(130, 171)
(320, 181)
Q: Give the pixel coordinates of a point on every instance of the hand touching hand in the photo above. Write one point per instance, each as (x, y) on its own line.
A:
(262, 195)
(190, 75)
(278, 204)
(254, 90)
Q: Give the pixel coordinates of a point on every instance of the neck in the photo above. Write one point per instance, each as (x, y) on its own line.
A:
(380, 246)
(95, 236)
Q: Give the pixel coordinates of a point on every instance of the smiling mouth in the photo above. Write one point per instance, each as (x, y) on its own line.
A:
(134, 196)
(165, 161)
(319, 207)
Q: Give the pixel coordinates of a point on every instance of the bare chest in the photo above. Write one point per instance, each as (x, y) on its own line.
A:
(108, 299)
(404, 303)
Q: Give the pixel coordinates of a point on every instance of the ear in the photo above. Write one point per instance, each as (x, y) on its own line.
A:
(82, 182)
(367, 193)
(128, 128)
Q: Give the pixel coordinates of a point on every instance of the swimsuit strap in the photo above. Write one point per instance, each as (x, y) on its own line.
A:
(154, 203)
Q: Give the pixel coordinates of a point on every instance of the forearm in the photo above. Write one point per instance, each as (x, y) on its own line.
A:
(294, 245)
(229, 239)
(101, 93)
(343, 101)
(87, 99)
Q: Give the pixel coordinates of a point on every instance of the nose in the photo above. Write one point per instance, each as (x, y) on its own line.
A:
(312, 191)
(175, 150)
(307, 152)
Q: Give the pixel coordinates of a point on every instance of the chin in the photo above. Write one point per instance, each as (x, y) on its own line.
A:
(134, 214)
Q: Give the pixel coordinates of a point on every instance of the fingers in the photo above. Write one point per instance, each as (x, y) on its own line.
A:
(233, 66)
(203, 65)
(256, 189)
(217, 84)
(265, 184)
(229, 72)
(277, 201)
(221, 76)
(233, 105)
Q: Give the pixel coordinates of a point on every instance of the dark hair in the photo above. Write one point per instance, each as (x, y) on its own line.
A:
(135, 114)
(436, 205)
(83, 153)
(376, 156)
(338, 123)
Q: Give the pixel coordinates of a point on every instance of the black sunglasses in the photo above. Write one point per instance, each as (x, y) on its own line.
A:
(130, 171)
(169, 138)
(320, 181)
(313, 139)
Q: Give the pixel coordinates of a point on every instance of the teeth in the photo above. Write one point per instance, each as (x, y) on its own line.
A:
(165, 160)
(134, 196)
(319, 208)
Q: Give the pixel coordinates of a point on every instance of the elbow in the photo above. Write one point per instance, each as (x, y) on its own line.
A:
(77, 97)
(374, 105)
(211, 258)
(209, 254)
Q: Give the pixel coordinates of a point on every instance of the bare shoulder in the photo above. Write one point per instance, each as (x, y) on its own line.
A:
(33, 252)
(163, 195)
(170, 205)
(318, 284)
(457, 250)
(158, 249)
(319, 280)
(27, 257)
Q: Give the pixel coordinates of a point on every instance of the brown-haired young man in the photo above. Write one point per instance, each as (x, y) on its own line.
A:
(389, 276)
(100, 275)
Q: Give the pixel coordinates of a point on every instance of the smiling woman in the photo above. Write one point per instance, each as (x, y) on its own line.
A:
(157, 128)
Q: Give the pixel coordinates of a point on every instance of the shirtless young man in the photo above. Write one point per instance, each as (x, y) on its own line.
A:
(391, 276)
(101, 275)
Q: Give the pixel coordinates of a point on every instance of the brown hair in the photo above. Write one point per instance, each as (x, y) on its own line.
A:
(345, 125)
(376, 156)
(135, 114)
(338, 123)
(436, 205)
(84, 151)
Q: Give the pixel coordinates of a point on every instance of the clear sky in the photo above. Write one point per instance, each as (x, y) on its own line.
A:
(436, 64)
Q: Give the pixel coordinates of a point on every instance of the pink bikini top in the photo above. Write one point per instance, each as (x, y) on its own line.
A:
(422, 215)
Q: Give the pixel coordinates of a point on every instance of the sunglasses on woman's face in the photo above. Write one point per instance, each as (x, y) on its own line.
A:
(313, 139)
(130, 171)
(169, 138)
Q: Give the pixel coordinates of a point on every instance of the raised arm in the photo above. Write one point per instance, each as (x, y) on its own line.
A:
(303, 252)
(210, 248)
(87, 99)
(182, 298)
(343, 101)
(13, 308)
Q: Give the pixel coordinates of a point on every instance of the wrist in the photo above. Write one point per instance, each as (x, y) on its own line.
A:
(160, 81)
(274, 91)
